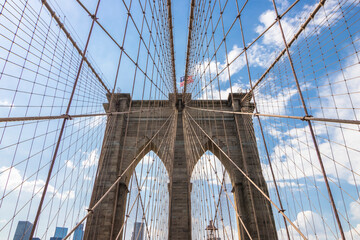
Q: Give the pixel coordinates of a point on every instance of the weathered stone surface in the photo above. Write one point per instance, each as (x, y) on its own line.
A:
(128, 134)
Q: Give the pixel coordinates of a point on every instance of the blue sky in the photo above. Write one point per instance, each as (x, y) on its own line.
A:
(325, 57)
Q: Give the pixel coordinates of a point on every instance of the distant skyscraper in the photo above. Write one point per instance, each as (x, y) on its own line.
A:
(60, 233)
(79, 232)
(23, 230)
(138, 233)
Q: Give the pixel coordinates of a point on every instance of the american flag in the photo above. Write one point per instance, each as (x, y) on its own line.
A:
(189, 80)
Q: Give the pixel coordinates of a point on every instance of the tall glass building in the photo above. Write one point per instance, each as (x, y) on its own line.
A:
(138, 233)
(79, 232)
(60, 233)
(23, 230)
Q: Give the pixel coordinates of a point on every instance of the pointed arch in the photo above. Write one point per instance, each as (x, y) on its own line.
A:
(144, 151)
(148, 190)
(212, 199)
(209, 146)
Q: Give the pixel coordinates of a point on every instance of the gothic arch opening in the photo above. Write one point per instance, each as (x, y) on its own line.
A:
(147, 205)
(213, 211)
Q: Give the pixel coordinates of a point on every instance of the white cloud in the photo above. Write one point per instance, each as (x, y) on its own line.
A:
(355, 210)
(62, 196)
(258, 56)
(293, 21)
(236, 66)
(207, 67)
(353, 233)
(87, 178)
(147, 159)
(89, 122)
(263, 52)
(69, 164)
(284, 184)
(5, 103)
(286, 155)
(12, 179)
(92, 158)
(275, 104)
(345, 88)
(96, 121)
(273, 37)
(309, 223)
(282, 5)
(222, 94)
(343, 138)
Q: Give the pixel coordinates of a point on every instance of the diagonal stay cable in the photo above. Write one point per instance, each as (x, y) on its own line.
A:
(63, 126)
(295, 37)
(282, 53)
(212, 167)
(172, 46)
(241, 52)
(91, 210)
(122, 49)
(82, 54)
(248, 178)
(289, 56)
(189, 45)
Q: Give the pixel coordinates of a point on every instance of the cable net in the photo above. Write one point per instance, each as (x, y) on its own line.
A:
(269, 104)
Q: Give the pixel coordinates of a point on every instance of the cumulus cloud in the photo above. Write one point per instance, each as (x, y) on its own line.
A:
(345, 88)
(353, 233)
(355, 210)
(263, 52)
(275, 103)
(12, 180)
(282, 5)
(273, 37)
(68, 194)
(343, 138)
(309, 223)
(258, 56)
(292, 22)
(69, 164)
(293, 159)
(91, 160)
(217, 94)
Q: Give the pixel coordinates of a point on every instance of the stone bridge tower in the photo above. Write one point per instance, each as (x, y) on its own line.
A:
(236, 139)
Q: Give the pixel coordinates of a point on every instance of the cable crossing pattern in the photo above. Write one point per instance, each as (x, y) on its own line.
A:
(100, 140)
